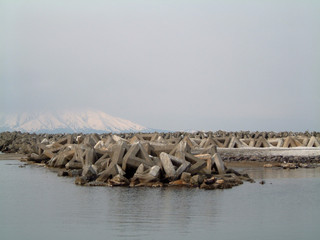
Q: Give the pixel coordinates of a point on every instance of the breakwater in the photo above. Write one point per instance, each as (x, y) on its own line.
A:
(157, 159)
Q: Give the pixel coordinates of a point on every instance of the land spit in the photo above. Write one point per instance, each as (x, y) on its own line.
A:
(161, 159)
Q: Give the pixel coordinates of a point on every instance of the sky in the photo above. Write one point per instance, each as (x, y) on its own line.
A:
(175, 65)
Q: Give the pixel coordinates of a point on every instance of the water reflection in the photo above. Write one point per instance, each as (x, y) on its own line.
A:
(142, 211)
(35, 202)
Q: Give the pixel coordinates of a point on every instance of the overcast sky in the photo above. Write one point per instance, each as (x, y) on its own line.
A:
(203, 65)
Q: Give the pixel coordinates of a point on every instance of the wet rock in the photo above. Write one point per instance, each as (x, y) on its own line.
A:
(118, 180)
(81, 181)
(179, 182)
(186, 177)
(210, 181)
(63, 173)
(75, 172)
(268, 165)
(289, 166)
(96, 184)
(196, 180)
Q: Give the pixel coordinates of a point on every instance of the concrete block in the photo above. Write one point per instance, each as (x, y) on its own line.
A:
(223, 142)
(276, 142)
(245, 142)
(235, 143)
(158, 148)
(134, 139)
(262, 142)
(48, 153)
(167, 165)
(104, 143)
(211, 142)
(219, 163)
(90, 172)
(79, 139)
(196, 167)
(111, 171)
(102, 164)
(181, 147)
(74, 164)
(208, 159)
(65, 140)
(64, 157)
(90, 157)
(118, 139)
(289, 142)
(119, 152)
(313, 142)
(145, 176)
(135, 156)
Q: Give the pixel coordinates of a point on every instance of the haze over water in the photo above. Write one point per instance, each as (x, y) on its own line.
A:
(36, 204)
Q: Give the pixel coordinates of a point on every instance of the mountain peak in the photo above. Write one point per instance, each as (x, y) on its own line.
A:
(67, 122)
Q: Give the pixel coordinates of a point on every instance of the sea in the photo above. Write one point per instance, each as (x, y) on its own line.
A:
(37, 204)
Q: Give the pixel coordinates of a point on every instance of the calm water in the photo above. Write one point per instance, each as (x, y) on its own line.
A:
(36, 204)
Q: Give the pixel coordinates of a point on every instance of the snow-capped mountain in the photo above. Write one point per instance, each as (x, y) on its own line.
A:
(67, 122)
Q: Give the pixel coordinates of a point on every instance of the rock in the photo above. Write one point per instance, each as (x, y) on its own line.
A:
(210, 181)
(186, 177)
(75, 172)
(220, 181)
(81, 180)
(179, 182)
(289, 166)
(147, 184)
(96, 184)
(230, 170)
(268, 165)
(118, 180)
(63, 173)
(196, 180)
(35, 157)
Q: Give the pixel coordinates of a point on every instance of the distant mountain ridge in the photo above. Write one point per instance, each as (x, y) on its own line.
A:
(68, 122)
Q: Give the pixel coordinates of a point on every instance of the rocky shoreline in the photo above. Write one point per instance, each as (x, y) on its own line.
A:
(162, 159)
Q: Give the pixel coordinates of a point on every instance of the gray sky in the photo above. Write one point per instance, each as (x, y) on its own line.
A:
(203, 65)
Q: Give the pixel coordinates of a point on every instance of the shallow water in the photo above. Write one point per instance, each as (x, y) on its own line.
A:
(36, 204)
